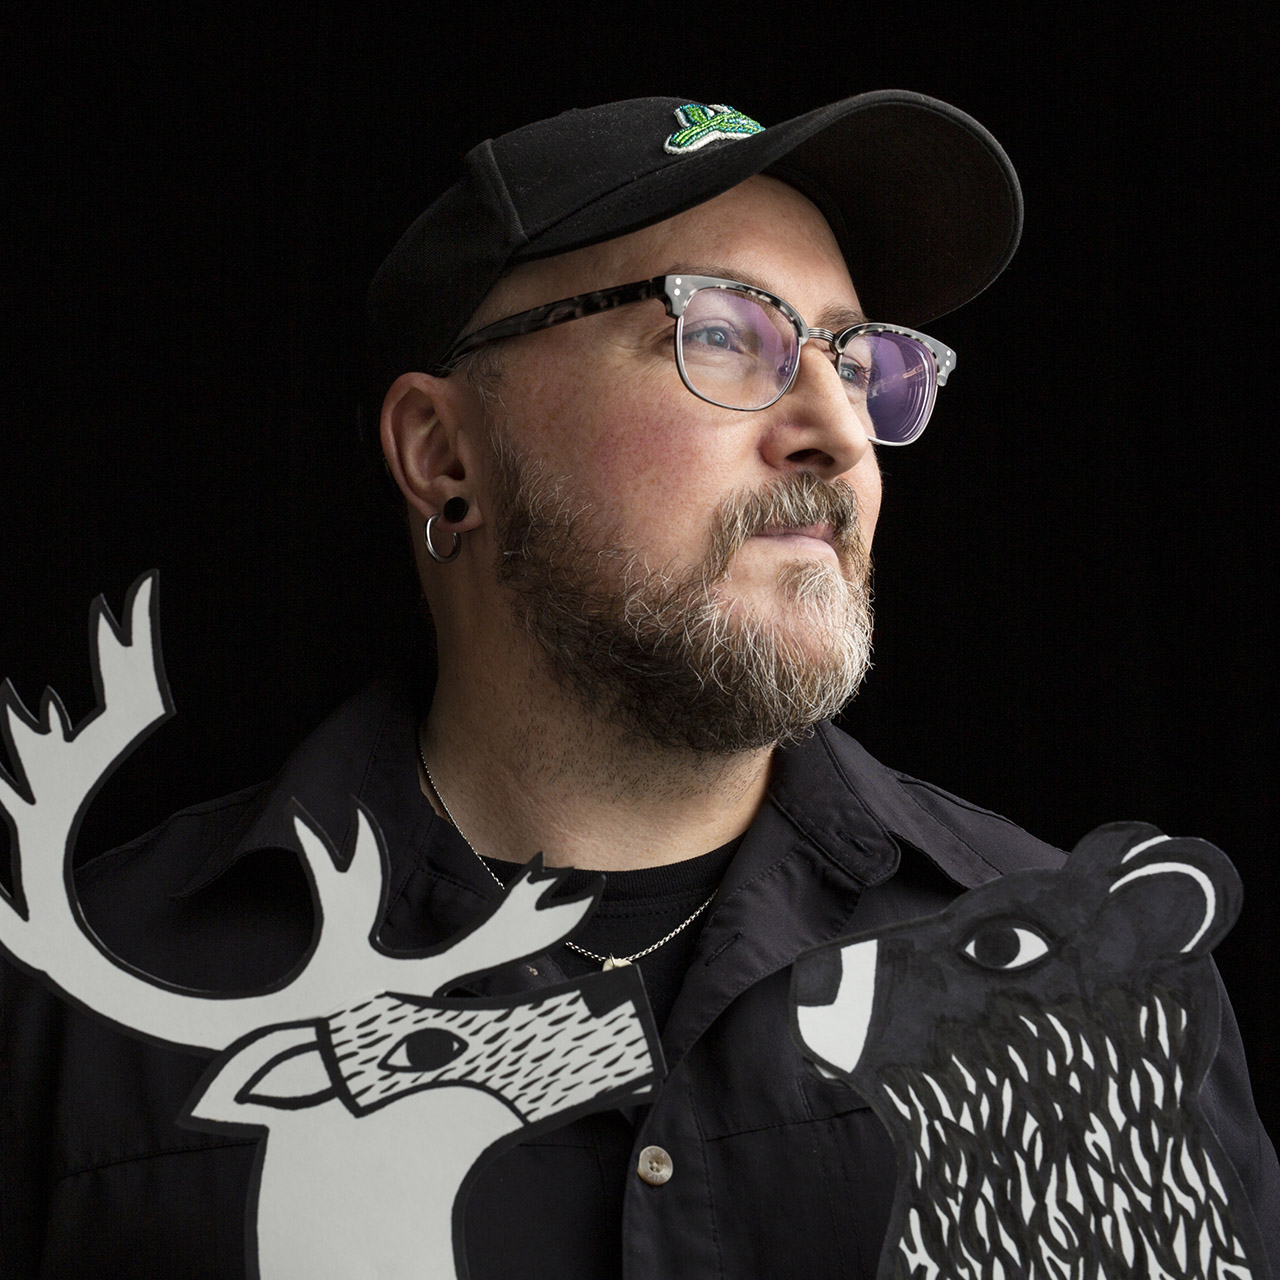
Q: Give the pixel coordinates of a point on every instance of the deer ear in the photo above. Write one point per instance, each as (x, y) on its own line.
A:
(1171, 898)
(271, 1069)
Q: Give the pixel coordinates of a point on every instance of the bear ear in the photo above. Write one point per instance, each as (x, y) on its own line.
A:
(1172, 897)
(1103, 850)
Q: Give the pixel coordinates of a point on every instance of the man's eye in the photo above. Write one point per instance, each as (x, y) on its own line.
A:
(716, 337)
(1006, 946)
(854, 374)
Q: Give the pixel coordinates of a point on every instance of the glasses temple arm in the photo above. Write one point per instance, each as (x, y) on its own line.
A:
(553, 313)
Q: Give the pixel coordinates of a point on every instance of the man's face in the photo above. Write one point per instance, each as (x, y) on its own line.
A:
(698, 574)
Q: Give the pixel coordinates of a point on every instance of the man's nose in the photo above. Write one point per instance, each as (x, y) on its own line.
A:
(816, 426)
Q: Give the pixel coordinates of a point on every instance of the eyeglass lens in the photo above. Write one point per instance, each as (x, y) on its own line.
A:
(739, 351)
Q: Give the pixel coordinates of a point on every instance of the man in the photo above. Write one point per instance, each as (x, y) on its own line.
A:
(632, 402)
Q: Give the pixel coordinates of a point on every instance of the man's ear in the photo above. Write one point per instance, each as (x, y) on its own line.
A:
(428, 449)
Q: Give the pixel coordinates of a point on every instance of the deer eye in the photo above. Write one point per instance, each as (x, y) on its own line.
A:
(425, 1050)
(1006, 946)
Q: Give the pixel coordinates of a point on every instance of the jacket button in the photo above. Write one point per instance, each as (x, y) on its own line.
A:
(655, 1166)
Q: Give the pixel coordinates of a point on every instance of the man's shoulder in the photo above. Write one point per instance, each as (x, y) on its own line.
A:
(217, 895)
(154, 903)
(1006, 841)
(322, 778)
(170, 854)
(971, 844)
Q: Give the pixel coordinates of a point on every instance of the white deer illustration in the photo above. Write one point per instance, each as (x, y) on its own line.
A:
(345, 1183)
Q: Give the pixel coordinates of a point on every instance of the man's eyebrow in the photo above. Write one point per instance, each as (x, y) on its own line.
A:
(835, 316)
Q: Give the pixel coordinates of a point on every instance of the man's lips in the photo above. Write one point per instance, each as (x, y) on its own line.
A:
(812, 536)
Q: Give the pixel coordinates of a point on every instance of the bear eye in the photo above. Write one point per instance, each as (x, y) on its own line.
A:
(1006, 946)
(425, 1050)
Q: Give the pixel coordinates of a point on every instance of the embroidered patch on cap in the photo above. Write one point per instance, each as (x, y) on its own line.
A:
(701, 124)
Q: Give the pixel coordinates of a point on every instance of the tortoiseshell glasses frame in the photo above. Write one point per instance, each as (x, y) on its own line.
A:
(738, 346)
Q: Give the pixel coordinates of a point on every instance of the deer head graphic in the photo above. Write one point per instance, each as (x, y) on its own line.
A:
(375, 1096)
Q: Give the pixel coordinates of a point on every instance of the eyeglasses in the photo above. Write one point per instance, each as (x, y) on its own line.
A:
(738, 347)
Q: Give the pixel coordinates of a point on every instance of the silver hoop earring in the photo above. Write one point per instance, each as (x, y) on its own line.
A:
(431, 551)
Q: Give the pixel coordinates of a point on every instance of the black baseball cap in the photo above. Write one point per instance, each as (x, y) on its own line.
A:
(922, 199)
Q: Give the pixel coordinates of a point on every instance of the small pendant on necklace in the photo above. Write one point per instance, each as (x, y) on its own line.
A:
(614, 963)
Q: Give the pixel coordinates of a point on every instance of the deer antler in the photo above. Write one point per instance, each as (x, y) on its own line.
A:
(522, 924)
(43, 928)
(62, 770)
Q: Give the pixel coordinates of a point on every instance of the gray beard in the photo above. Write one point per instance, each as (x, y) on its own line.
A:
(662, 656)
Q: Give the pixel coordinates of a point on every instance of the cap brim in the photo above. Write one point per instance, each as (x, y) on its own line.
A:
(922, 199)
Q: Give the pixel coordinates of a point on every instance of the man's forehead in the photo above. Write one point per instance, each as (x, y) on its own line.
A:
(738, 234)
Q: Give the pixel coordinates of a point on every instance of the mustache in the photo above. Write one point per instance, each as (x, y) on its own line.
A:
(798, 500)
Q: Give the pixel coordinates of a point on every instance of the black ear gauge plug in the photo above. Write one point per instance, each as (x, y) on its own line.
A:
(455, 510)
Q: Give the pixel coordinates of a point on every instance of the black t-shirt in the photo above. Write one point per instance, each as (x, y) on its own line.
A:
(636, 909)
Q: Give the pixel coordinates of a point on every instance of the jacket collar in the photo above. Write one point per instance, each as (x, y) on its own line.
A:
(968, 844)
(852, 810)
(364, 751)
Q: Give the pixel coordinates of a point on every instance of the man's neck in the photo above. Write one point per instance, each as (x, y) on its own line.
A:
(523, 767)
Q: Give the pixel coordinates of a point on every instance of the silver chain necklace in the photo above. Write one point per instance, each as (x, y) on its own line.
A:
(605, 962)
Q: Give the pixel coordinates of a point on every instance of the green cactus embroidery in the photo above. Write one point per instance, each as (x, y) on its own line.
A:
(702, 124)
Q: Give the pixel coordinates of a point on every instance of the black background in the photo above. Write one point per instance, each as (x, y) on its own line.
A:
(1074, 566)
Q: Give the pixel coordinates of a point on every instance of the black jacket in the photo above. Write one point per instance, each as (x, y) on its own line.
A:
(776, 1172)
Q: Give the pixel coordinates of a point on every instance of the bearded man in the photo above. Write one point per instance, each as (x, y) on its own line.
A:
(635, 366)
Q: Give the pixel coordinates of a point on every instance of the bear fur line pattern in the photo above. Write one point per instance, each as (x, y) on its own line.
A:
(1036, 1050)
(1055, 1143)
